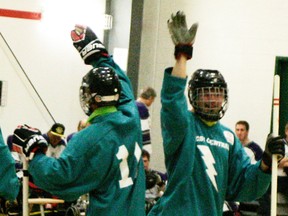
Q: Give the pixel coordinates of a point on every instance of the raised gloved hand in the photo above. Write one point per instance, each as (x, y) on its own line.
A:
(274, 145)
(87, 44)
(28, 140)
(181, 36)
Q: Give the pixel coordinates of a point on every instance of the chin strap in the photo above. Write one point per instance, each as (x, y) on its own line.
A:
(208, 123)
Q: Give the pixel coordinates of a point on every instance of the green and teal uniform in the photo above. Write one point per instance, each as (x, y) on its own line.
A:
(205, 164)
(103, 159)
(9, 186)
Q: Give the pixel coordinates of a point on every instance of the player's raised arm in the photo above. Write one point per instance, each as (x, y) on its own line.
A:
(183, 39)
(94, 53)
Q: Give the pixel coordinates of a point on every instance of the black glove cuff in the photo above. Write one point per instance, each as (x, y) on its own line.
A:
(185, 49)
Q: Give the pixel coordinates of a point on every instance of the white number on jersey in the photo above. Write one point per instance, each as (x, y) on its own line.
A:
(124, 169)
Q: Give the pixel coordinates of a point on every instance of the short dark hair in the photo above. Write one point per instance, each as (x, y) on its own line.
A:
(148, 92)
(145, 154)
(245, 123)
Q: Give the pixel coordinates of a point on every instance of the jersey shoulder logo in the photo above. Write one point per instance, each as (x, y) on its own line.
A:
(229, 137)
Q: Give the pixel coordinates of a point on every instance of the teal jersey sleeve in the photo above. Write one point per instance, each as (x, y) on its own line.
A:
(248, 185)
(171, 101)
(9, 186)
(103, 160)
(205, 164)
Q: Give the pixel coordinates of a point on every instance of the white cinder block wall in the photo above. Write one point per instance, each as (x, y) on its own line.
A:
(45, 51)
(239, 38)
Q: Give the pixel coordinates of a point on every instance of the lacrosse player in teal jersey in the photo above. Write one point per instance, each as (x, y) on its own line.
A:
(205, 161)
(104, 159)
(9, 186)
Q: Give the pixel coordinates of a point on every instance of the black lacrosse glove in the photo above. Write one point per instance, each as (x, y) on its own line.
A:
(182, 37)
(87, 44)
(274, 145)
(28, 140)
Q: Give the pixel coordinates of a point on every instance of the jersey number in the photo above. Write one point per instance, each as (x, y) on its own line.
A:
(123, 154)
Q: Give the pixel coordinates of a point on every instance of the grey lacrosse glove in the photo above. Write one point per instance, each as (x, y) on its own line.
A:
(182, 37)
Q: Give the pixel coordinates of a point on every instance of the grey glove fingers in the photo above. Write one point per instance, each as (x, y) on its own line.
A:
(180, 26)
(170, 21)
(175, 19)
(183, 28)
(172, 31)
(179, 19)
(192, 32)
(182, 20)
(176, 32)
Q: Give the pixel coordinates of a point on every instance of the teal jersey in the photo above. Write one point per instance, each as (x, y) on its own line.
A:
(205, 164)
(9, 186)
(103, 160)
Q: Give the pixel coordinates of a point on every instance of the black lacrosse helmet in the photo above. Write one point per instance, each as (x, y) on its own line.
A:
(208, 82)
(101, 87)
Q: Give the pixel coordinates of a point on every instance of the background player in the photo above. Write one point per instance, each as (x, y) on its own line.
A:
(55, 139)
(252, 148)
(143, 102)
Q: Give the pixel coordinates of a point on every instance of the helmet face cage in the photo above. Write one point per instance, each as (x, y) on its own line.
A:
(210, 103)
(208, 94)
(85, 99)
(100, 87)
